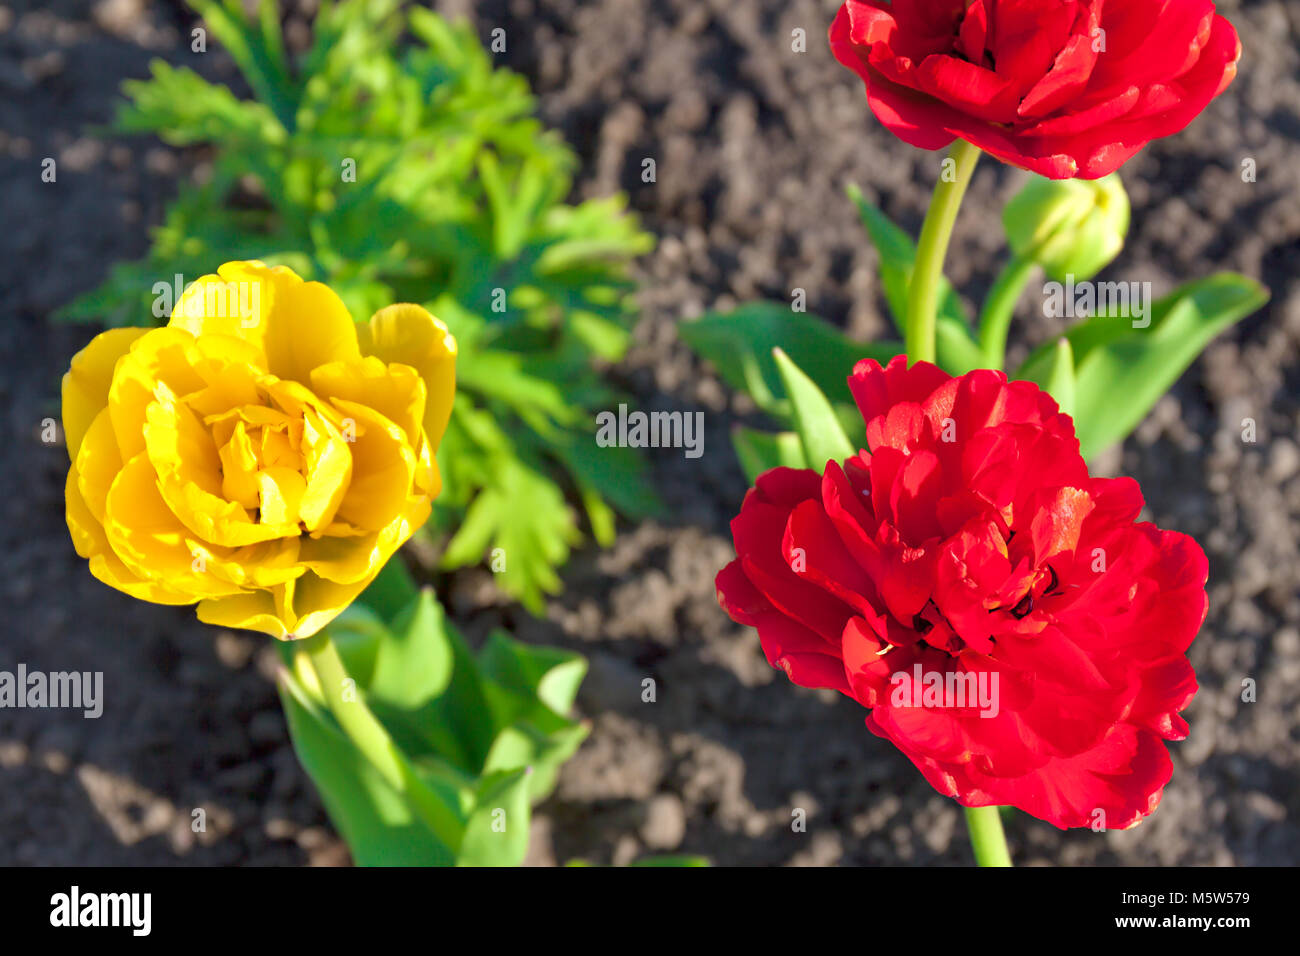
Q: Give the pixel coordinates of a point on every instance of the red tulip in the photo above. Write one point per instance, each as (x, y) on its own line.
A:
(969, 548)
(1065, 88)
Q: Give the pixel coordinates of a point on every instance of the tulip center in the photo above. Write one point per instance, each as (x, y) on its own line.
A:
(974, 614)
(262, 466)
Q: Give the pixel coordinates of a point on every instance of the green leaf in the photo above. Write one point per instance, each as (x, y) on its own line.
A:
(819, 429)
(1121, 371)
(1058, 377)
(379, 825)
(894, 245)
(532, 689)
(529, 526)
(742, 340)
(607, 339)
(497, 831)
(414, 664)
(958, 352)
(548, 674)
(358, 633)
(392, 590)
(257, 50)
(613, 473)
(543, 752)
(759, 451)
(187, 109)
(485, 734)
(499, 710)
(541, 403)
(599, 515)
(459, 724)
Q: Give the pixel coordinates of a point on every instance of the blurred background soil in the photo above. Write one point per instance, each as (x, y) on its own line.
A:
(753, 145)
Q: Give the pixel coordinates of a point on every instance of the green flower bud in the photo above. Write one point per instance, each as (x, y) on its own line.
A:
(1068, 226)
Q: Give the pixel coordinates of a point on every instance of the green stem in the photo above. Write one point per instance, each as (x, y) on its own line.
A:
(986, 836)
(995, 317)
(363, 728)
(923, 290)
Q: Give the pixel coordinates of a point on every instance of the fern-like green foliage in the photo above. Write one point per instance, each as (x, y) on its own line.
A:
(396, 163)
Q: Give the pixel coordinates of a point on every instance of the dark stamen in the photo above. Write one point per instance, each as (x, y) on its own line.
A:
(1051, 588)
(1024, 607)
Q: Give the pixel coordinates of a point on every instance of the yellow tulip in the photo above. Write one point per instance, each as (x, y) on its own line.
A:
(262, 455)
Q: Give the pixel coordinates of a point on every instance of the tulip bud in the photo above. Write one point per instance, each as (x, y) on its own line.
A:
(1068, 226)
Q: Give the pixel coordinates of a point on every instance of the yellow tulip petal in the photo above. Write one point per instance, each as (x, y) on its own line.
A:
(346, 560)
(428, 479)
(91, 542)
(239, 468)
(251, 611)
(318, 598)
(219, 354)
(149, 539)
(163, 356)
(85, 386)
(318, 601)
(293, 401)
(235, 302)
(343, 560)
(395, 391)
(329, 470)
(178, 442)
(189, 477)
(280, 492)
(181, 449)
(97, 464)
(87, 532)
(297, 325)
(229, 386)
(213, 519)
(260, 565)
(409, 335)
(341, 529)
(383, 469)
(309, 327)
